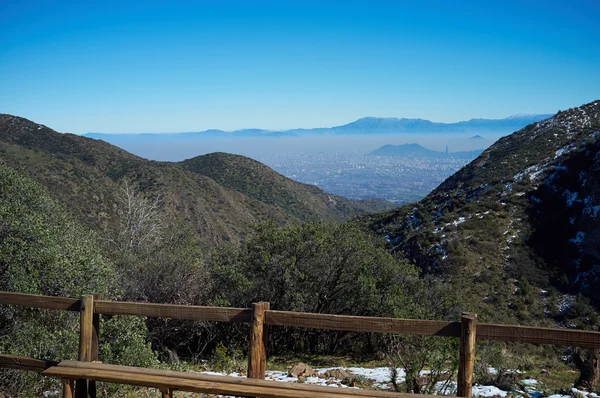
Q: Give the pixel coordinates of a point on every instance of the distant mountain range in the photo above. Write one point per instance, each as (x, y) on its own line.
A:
(363, 126)
(418, 151)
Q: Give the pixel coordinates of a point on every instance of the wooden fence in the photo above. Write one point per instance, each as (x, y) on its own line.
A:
(261, 317)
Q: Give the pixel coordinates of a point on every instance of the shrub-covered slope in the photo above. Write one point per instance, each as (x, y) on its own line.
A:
(87, 176)
(254, 179)
(517, 231)
(44, 251)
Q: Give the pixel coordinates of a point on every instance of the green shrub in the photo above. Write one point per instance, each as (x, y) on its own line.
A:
(43, 251)
(313, 267)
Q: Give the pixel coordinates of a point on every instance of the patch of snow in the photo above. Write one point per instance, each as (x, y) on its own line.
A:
(529, 382)
(379, 375)
(488, 391)
(459, 221)
(584, 393)
(563, 150)
(565, 303)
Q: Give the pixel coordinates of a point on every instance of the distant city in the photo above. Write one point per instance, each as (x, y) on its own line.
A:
(397, 159)
(358, 176)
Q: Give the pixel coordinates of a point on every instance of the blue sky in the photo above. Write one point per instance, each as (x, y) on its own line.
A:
(166, 66)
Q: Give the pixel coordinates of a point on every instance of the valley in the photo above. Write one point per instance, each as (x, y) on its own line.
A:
(482, 241)
(356, 176)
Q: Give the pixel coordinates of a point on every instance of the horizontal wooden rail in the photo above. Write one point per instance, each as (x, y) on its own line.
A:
(227, 380)
(485, 331)
(539, 335)
(37, 301)
(363, 323)
(218, 314)
(208, 387)
(25, 363)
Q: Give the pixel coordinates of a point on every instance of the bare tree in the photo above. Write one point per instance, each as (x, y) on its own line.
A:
(139, 219)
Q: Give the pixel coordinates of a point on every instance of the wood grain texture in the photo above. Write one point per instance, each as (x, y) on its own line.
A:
(218, 314)
(86, 328)
(67, 388)
(37, 301)
(527, 334)
(212, 378)
(95, 347)
(539, 335)
(95, 331)
(363, 323)
(466, 360)
(240, 387)
(25, 363)
(257, 353)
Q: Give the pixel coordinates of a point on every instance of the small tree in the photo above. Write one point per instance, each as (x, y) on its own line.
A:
(314, 267)
(431, 299)
(139, 220)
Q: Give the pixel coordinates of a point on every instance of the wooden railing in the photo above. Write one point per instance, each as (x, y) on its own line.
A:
(261, 317)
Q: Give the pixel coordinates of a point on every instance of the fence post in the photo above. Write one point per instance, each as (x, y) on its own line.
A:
(467, 355)
(67, 388)
(257, 354)
(86, 328)
(95, 346)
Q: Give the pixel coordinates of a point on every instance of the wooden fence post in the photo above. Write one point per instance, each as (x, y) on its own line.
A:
(95, 346)
(467, 355)
(257, 354)
(67, 388)
(86, 328)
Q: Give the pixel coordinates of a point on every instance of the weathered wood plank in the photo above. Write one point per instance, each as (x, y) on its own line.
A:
(257, 353)
(363, 323)
(25, 363)
(218, 314)
(37, 301)
(466, 359)
(240, 387)
(212, 378)
(86, 331)
(95, 348)
(536, 335)
(539, 335)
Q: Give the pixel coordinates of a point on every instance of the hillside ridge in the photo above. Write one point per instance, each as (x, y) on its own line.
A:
(258, 181)
(519, 220)
(87, 176)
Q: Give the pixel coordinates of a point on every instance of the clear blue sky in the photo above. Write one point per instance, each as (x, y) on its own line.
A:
(163, 66)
